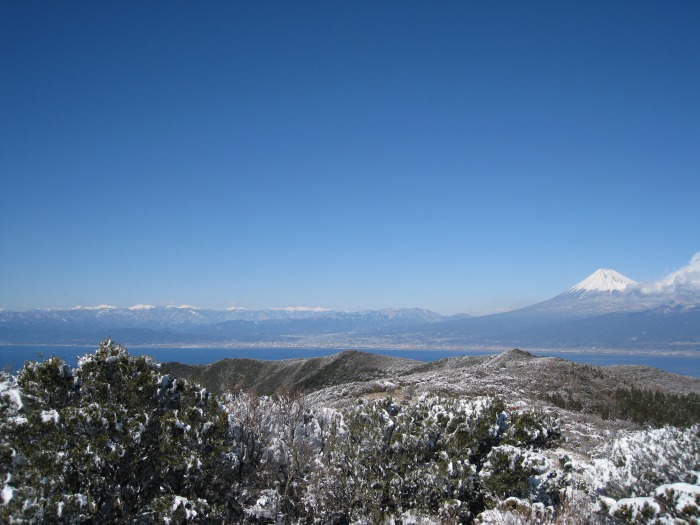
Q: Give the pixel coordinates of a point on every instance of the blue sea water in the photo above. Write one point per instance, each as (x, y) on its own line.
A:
(12, 357)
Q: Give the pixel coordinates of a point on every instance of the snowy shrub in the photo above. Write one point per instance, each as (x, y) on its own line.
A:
(514, 511)
(635, 510)
(109, 440)
(576, 509)
(283, 445)
(649, 477)
(10, 407)
(533, 429)
(680, 500)
(637, 462)
(422, 460)
(169, 509)
(506, 473)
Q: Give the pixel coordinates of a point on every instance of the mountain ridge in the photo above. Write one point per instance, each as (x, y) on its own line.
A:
(601, 311)
(513, 373)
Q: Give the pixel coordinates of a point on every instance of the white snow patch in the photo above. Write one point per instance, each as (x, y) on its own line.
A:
(185, 503)
(82, 500)
(142, 307)
(7, 494)
(11, 394)
(48, 416)
(266, 505)
(412, 517)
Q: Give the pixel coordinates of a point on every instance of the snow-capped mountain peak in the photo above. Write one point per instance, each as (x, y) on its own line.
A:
(603, 280)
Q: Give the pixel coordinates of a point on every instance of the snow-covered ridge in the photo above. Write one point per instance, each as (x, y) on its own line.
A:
(182, 307)
(603, 280)
(300, 309)
(142, 307)
(99, 307)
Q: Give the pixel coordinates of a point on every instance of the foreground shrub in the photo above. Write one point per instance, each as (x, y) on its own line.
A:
(113, 441)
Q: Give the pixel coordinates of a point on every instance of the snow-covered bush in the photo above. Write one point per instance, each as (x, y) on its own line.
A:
(108, 441)
(421, 460)
(379, 462)
(10, 406)
(681, 501)
(649, 477)
(281, 442)
(635, 463)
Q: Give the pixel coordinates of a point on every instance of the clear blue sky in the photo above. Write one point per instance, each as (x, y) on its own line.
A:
(457, 156)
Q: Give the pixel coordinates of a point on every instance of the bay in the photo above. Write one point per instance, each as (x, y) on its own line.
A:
(12, 357)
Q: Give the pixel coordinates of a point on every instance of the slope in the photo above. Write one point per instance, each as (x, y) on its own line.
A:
(291, 375)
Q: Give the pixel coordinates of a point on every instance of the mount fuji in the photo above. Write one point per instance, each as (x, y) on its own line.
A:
(607, 291)
(606, 310)
(603, 291)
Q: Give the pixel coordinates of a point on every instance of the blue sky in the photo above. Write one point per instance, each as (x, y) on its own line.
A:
(458, 156)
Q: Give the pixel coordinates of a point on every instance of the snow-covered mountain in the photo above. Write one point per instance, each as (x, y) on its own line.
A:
(160, 316)
(140, 324)
(607, 291)
(604, 310)
(603, 291)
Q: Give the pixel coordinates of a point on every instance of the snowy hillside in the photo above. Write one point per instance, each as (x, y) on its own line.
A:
(116, 440)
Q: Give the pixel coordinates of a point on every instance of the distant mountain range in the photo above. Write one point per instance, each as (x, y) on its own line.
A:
(145, 324)
(604, 311)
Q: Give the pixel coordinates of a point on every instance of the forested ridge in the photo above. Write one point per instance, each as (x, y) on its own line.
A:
(116, 440)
